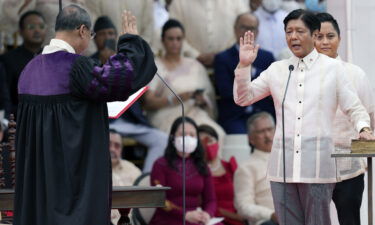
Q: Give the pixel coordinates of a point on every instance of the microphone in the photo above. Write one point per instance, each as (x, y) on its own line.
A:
(291, 68)
(183, 149)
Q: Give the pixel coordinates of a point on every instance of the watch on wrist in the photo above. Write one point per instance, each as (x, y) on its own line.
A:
(366, 129)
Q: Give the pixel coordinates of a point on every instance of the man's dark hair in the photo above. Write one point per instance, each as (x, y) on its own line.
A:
(171, 23)
(326, 17)
(310, 20)
(71, 17)
(113, 131)
(21, 23)
(103, 22)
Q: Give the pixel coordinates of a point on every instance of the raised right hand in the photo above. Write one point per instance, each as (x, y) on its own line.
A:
(248, 49)
(129, 23)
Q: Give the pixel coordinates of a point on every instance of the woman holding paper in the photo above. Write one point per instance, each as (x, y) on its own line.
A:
(167, 171)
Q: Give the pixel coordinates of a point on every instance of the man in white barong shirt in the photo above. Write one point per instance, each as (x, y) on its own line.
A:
(252, 190)
(318, 85)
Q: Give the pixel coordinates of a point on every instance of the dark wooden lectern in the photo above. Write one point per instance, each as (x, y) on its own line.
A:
(122, 197)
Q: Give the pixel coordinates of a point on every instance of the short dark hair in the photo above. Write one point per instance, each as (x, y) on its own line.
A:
(114, 131)
(204, 128)
(171, 23)
(71, 17)
(21, 23)
(308, 18)
(326, 17)
(103, 22)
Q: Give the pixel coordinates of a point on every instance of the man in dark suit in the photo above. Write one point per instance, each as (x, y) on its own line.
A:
(231, 116)
(32, 28)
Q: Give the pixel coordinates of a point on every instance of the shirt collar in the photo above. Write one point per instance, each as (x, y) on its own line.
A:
(308, 60)
(58, 45)
(338, 58)
(119, 165)
(261, 154)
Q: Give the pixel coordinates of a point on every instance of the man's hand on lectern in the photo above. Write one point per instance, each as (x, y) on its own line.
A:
(366, 134)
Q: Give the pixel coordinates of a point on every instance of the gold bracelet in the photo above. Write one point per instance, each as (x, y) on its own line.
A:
(366, 129)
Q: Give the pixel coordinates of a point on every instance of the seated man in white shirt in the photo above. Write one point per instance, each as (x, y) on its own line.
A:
(253, 197)
(318, 85)
(124, 172)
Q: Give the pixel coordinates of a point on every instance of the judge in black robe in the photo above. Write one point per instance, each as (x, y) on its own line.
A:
(63, 170)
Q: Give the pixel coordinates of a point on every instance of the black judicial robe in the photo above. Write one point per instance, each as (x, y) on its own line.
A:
(63, 170)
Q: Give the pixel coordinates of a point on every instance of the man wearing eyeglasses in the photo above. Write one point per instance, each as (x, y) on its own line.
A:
(231, 116)
(63, 174)
(32, 28)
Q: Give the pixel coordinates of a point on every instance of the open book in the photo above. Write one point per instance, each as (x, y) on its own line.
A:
(116, 109)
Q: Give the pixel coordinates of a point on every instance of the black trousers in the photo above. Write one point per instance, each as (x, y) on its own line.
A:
(347, 197)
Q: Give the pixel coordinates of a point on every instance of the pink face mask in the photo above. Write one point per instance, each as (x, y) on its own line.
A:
(211, 151)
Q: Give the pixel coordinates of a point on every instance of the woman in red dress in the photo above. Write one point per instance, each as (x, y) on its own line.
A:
(222, 173)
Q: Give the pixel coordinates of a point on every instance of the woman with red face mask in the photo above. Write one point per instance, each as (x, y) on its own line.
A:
(222, 173)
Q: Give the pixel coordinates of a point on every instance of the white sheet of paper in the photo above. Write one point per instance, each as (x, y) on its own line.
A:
(215, 220)
(116, 109)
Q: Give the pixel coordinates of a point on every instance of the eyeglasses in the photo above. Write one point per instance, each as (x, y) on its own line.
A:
(35, 26)
(246, 28)
(92, 33)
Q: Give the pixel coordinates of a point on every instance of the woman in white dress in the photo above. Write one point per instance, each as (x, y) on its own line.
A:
(187, 77)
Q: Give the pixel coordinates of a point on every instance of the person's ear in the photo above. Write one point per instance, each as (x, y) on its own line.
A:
(250, 139)
(315, 34)
(81, 31)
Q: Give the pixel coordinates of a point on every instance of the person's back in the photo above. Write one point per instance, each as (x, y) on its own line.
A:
(63, 174)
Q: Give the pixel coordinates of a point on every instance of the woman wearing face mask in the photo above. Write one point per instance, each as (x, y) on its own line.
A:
(167, 171)
(222, 173)
(347, 194)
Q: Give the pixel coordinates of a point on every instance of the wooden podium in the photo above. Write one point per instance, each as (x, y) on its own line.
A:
(122, 197)
(363, 149)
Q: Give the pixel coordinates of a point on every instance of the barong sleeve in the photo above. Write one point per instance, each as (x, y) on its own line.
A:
(247, 92)
(123, 74)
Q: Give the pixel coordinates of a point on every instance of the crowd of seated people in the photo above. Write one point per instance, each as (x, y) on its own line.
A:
(196, 52)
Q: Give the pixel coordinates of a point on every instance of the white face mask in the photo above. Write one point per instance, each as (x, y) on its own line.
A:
(190, 144)
(271, 5)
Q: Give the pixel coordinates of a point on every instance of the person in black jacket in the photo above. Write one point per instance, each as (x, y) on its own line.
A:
(63, 173)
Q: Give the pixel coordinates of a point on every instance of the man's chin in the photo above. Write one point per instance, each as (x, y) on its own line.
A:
(115, 162)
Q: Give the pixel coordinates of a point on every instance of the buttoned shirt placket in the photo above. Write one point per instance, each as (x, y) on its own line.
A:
(300, 76)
